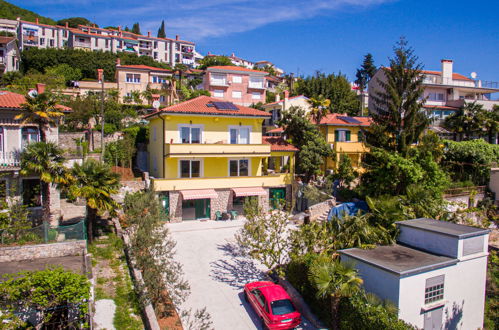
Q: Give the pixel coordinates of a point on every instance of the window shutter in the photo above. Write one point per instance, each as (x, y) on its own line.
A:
(347, 136)
(336, 135)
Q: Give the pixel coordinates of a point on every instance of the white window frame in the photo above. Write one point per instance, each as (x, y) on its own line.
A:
(217, 79)
(238, 167)
(237, 79)
(218, 91)
(201, 132)
(135, 78)
(237, 97)
(256, 82)
(256, 96)
(238, 128)
(201, 168)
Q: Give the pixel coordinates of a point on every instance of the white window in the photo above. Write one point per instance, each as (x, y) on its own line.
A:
(434, 289)
(256, 96)
(218, 80)
(237, 94)
(239, 134)
(239, 167)
(218, 93)
(190, 133)
(189, 168)
(256, 82)
(29, 134)
(132, 78)
(237, 79)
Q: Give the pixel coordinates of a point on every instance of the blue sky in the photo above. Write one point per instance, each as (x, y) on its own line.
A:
(303, 36)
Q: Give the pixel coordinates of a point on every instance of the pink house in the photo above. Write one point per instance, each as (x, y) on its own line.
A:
(235, 84)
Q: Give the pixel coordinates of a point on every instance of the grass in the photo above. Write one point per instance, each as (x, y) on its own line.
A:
(110, 252)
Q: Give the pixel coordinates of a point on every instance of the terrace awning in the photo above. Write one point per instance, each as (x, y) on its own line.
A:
(249, 191)
(199, 194)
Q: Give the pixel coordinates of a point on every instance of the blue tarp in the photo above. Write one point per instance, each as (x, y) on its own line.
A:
(351, 208)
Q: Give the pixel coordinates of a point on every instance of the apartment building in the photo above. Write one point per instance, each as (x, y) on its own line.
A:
(435, 275)
(9, 25)
(9, 55)
(235, 84)
(345, 136)
(446, 91)
(14, 137)
(166, 50)
(207, 156)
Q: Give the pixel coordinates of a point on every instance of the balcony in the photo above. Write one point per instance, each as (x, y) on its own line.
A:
(145, 46)
(222, 183)
(9, 160)
(219, 83)
(257, 86)
(216, 150)
(82, 44)
(349, 147)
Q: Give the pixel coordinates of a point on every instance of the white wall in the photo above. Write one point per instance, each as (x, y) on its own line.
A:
(429, 241)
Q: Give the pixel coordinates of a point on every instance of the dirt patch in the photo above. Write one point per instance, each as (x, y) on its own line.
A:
(104, 274)
(125, 172)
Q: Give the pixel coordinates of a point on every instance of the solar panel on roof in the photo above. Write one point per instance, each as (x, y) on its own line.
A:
(349, 120)
(225, 106)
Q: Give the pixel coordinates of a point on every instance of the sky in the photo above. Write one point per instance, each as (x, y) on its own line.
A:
(303, 36)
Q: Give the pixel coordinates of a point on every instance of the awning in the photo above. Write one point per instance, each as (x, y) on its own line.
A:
(249, 191)
(199, 194)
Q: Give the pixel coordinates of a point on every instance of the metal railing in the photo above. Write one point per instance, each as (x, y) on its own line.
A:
(82, 44)
(12, 158)
(43, 234)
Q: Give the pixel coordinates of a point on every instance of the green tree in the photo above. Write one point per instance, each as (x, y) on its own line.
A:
(365, 72)
(8, 78)
(47, 291)
(68, 72)
(345, 172)
(208, 61)
(473, 120)
(305, 136)
(73, 22)
(10, 11)
(161, 30)
(136, 28)
(42, 111)
(319, 108)
(45, 160)
(335, 280)
(23, 84)
(399, 119)
(96, 183)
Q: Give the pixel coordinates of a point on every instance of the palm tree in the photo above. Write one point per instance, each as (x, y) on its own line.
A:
(96, 183)
(466, 121)
(334, 280)
(320, 107)
(47, 161)
(40, 110)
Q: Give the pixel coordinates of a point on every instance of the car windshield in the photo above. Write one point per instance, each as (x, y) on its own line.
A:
(281, 307)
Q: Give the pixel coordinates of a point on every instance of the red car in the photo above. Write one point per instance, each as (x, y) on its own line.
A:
(273, 305)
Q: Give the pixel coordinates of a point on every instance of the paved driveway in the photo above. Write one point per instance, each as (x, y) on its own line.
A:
(217, 272)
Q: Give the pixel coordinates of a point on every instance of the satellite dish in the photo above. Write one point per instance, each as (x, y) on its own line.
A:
(473, 75)
(156, 105)
(33, 93)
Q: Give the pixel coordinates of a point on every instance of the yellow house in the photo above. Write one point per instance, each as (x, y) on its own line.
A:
(207, 156)
(345, 135)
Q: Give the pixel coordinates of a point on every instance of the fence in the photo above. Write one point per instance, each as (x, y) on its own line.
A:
(43, 234)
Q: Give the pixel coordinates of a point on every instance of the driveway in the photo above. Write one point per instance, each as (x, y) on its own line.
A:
(217, 272)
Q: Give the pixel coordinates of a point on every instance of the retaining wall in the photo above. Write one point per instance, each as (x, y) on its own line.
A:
(53, 250)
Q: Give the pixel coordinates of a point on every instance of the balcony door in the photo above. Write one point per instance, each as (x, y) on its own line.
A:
(190, 133)
(239, 134)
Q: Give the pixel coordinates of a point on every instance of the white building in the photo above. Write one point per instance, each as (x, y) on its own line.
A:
(435, 275)
(9, 55)
(9, 25)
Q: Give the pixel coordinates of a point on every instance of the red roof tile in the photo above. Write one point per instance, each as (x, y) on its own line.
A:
(277, 143)
(11, 100)
(276, 130)
(6, 40)
(455, 76)
(143, 67)
(234, 68)
(199, 105)
(334, 120)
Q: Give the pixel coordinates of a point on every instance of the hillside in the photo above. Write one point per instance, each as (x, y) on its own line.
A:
(10, 11)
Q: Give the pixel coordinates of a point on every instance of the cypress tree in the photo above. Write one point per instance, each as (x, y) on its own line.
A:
(161, 30)
(366, 71)
(136, 28)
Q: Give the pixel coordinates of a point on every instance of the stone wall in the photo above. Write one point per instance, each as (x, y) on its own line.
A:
(223, 203)
(462, 201)
(263, 201)
(175, 206)
(53, 250)
(67, 139)
(315, 211)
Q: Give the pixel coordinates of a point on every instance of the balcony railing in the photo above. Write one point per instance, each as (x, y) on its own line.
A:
(216, 150)
(256, 85)
(10, 159)
(219, 83)
(82, 44)
(222, 182)
(353, 147)
(437, 80)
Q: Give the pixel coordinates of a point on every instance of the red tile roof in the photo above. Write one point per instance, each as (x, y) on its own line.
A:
(277, 143)
(440, 107)
(143, 67)
(276, 130)
(6, 40)
(291, 98)
(11, 100)
(334, 120)
(234, 68)
(455, 76)
(199, 105)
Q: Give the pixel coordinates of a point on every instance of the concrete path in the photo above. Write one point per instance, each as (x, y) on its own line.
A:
(217, 272)
(104, 314)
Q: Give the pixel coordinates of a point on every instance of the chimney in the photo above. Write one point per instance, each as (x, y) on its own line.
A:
(40, 88)
(177, 37)
(149, 34)
(233, 55)
(118, 61)
(119, 28)
(36, 20)
(447, 71)
(67, 25)
(100, 75)
(286, 95)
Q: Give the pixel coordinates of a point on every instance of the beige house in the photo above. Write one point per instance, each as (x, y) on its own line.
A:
(275, 108)
(9, 55)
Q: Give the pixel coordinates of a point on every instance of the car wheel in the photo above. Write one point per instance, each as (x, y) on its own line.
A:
(246, 296)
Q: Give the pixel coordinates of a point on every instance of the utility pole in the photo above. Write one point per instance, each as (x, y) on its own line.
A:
(100, 73)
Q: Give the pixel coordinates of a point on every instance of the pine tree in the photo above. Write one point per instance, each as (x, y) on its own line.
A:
(399, 117)
(161, 30)
(365, 72)
(136, 28)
